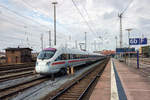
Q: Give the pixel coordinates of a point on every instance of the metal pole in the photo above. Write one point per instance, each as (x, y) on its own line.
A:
(100, 43)
(85, 41)
(95, 45)
(129, 46)
(129, 37)
(49, 38)
(76, 44)
(116, 41)
(138, 60)
(129, 29)
(54, 3)
(42, 41)
(120, 16)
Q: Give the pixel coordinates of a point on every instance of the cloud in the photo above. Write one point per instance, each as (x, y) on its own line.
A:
(37, 16)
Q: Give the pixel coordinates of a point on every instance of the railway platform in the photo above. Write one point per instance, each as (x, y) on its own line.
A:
(121, 81)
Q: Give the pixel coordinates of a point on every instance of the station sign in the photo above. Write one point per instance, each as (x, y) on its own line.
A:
(137, 41)
(123, 50)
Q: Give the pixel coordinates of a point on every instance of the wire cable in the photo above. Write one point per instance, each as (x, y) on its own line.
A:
(83, 17)
(18, 14)
(127, 7)
(87, 14)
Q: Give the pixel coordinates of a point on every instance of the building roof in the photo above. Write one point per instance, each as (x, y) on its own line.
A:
(108, 52)
(17, 49)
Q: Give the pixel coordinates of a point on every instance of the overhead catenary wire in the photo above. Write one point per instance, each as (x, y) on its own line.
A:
(25, 16)
(83, 18)
(127, 6)
(18, 24)
(18, 14)
(37, 9)
(28, 18)
(88, 15)
(29, 5)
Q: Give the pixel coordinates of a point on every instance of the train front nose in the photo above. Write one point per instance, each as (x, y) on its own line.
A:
(42, 68)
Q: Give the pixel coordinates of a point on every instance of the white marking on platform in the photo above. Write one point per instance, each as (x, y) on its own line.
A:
(114, 92)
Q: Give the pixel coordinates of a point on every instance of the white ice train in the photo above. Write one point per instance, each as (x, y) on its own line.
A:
(53, 60)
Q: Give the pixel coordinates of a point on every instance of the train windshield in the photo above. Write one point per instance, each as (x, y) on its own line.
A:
(46, 54)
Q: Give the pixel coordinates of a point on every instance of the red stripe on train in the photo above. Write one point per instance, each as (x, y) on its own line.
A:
(76, 60)
(56, 63)
(63, 62)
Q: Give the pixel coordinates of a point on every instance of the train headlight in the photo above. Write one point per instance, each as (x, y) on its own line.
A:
(48, 63)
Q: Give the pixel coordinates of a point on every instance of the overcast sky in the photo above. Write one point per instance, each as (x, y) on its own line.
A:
(23, 21)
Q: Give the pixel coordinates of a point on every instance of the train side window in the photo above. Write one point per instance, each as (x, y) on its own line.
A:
(74, 56)
(58, 58)
(67, 56)
(71, 56)
(63, 57)
(78, 56)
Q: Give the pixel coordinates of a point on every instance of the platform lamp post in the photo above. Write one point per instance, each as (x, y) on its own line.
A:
(101, 40)
(54, 3)
(116, 41)
(116, 44)
(129, 29)
(85, 41)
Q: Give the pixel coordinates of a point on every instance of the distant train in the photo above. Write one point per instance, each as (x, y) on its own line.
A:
(53, 60)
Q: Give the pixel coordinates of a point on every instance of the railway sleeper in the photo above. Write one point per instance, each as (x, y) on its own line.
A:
(67, 98)
(78, 88)
(15, 77)
(14, 67)
(12, 91)
(72, 91)
(15, 71)
(15, 74)
(70, 96)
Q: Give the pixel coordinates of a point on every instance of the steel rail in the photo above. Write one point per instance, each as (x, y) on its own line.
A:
(77, 81)
(96, 77)
(16, 70)
(11, 90)
(2, 79)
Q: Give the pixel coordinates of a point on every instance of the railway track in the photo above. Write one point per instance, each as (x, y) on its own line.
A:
(15, 76)
(10, 91)
(78, 89)
(16, 70)
(4, 65)
(13, 67)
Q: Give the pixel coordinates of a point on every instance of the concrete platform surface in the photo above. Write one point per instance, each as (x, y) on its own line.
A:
(102, 89)
(135, 84)
(131, 83)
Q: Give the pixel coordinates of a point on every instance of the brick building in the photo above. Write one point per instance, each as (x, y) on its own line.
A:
(18, 55)
(106, 52)
(2, 58)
